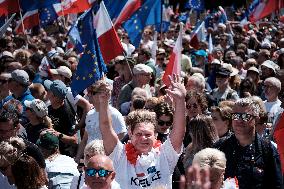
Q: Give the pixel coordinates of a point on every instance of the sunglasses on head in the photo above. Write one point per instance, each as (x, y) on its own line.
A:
(243, 116)
(91, 172)
(189, 106)
(168, 123)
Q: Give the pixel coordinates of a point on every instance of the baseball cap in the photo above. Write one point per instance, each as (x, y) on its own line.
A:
(48, 141)
(62, 70)
(38, 106)
(57, 87)
(21, 77)
(142, 68)
(223, 72)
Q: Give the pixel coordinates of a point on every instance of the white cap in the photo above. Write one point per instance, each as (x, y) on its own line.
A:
(62, 70)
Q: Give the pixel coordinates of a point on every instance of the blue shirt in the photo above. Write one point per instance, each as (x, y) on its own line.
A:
(25, 96)
(6, 99)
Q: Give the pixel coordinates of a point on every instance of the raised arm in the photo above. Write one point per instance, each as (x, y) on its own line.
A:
(177, 92)
(110, 138)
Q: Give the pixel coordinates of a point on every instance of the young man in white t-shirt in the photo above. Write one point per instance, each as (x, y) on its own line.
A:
(144, 162)
(272, 88)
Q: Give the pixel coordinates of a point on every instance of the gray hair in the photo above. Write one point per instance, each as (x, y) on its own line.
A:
(274, 81)
(137, 91)
(197, 77)
(93, 148)
(248, 102)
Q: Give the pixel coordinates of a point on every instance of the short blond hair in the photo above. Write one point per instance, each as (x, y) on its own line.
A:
(140, 116)
(211, 158)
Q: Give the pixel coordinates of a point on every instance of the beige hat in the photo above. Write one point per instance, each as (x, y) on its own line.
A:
(234, 71)
(62, 70)
(141, 69)
(253, 69)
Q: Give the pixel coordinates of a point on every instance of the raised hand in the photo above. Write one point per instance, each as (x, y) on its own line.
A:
(195, 178)
(176, 90)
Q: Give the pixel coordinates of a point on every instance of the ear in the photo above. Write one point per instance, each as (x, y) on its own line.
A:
(113, 175)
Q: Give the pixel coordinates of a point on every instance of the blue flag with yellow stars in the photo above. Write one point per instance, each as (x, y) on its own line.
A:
(150, 13)
(91, 66)
(47, 15)
(195, 5)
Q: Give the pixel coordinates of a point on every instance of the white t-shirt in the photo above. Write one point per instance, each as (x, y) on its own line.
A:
(152, 170)
(73, 100)
(92, 123)
(61, 170)
(272, 108)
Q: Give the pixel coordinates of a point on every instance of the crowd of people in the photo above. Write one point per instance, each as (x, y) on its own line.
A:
(211, 128)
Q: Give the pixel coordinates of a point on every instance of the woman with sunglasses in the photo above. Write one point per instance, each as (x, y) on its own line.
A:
(221, 117)
(196, 104)
(164, 114)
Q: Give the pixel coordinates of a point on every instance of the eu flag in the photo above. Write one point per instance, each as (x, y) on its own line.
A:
(148, 14)
(47, 15)
(91, 66)
(196, 5)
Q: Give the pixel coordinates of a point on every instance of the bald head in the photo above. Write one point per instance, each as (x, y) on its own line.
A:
(101, 161)
(97, 181)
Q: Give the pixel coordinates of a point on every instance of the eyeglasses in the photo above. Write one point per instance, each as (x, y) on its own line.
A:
(189, 106)
(168, 123)
(91, 172)
(244, 116)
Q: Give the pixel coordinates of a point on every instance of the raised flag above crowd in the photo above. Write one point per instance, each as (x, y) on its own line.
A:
(91, 66)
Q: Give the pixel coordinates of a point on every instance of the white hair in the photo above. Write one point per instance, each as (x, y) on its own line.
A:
(274, 81)
(93, 148)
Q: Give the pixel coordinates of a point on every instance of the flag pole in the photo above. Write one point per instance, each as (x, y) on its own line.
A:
(22, 20)
(161, 25)
(63, 16)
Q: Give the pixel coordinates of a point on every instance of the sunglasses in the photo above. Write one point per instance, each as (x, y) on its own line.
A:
(189, 106)
(91, 172)
(244, 116)
(168, 123)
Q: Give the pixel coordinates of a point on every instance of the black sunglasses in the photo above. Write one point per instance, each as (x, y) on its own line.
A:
(168, 123)
(244, 116)
(91, 172)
